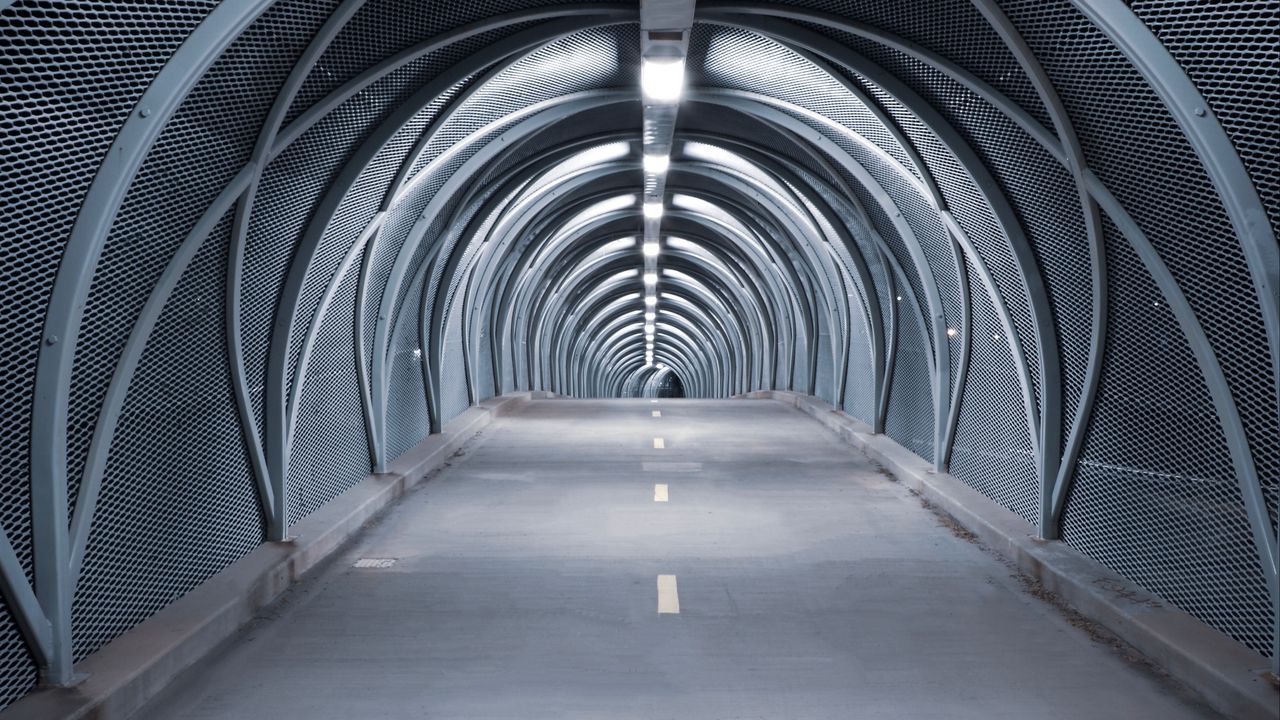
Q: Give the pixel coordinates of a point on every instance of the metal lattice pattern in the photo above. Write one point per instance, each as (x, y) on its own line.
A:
(1162, 507)
(172, 512)
(326, 229)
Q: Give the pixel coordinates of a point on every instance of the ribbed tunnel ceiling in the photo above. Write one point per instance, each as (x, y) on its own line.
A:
(256, 250)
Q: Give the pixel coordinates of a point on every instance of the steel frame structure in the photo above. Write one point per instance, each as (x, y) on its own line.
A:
(460, 233)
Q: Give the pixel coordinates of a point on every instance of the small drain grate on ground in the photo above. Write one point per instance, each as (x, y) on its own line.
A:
(375, 562)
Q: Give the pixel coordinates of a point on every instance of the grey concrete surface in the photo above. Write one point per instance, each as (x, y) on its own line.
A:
(524, 586)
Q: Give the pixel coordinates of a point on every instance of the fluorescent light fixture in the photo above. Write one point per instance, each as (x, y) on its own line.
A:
(648, 329)
(650, 316)
(651, 278)
(651, 249)
(662, 79)
(656, 164)
(661, 366)
(648, 346)
(653, 210)
(650, 301)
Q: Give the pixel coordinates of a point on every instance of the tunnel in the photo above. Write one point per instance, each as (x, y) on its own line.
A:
(275, 273)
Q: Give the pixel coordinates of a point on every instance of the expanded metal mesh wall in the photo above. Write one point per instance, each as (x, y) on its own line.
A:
(328, 451)
(1162, 506)
(177, 502)
(250, 296)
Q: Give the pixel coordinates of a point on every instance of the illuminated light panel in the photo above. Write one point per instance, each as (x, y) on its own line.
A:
(651, 249)
(651, 278)
(656, 164)
(650, 301)
(653, 210)
(662, 79)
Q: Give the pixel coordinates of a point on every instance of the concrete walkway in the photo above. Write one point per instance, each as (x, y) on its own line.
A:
(525, 586)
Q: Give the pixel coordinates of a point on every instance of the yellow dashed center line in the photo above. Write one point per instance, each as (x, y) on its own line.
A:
(659, 492)
(659, 443)
(668, 596)
(657, 413)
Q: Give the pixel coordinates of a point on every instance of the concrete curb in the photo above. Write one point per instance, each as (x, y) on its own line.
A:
(1229, 676)
(136, 666)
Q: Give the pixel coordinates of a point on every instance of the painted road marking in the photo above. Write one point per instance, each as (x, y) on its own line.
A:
(660, 492)
(374, 562)
(659, 443)
(673, 467)
(653, 401)
(668, 597)
(657, 413)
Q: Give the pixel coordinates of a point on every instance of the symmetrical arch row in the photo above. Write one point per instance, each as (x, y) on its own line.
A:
(280, 243)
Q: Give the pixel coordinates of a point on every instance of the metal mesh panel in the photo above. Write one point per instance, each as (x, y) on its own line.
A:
(353, 214)
(859, 379)
(328, 452)
(1230, 49)
(395, 228)
(296, 180)
(601, 58)
(1163, 506)
(860, 399)
(17, 668)
(724, 57)
(992, 447)
(481, 355)
(800, 370)
(67, 91)
(970, 209)
(1043, 198)
(170, 193)
(824, 385)
(952, 28)
(383, 27)
(1045, 203)
(177, 502)
(796, 80)
(407, 421)
(860, 388)
(969, 37)
(1134, 145)
(805, 89)
(597, 65)
(909, 419)
(935, 244)
(453, 378)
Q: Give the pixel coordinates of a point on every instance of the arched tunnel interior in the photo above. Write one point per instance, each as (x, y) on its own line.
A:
(258, 250)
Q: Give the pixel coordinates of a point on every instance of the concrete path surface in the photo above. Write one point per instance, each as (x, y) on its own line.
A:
(543, 575)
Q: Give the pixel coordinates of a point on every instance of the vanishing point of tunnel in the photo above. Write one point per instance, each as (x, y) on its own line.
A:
(714, 360)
